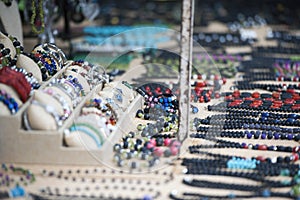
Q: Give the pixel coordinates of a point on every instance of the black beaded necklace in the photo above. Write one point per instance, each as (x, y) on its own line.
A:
(196, 196)
(228, 144)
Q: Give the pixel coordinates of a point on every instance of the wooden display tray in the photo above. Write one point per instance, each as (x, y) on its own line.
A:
(46, 147)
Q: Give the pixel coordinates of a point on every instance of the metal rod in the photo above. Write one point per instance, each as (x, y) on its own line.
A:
(186, 48)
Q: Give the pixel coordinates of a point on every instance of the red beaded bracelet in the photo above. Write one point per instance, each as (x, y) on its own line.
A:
(16, 80)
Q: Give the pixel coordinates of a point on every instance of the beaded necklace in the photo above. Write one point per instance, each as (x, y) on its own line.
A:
(35, 22)
(11, 175)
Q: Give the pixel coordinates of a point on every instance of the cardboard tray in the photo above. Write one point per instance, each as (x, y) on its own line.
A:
(46, 147)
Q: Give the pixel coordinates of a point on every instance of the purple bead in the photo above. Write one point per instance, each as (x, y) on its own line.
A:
(251, 126)
(147, 197)
(290, 137)
(244, 144)
(249, 135)
(1, 174)
(263, 136)
(97, 100)
(246, 126)
(276, 136)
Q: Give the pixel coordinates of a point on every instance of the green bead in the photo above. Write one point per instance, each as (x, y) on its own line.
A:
(296, 190)
(140, 127)
(286, 182)
(297, 179)
(285, 172)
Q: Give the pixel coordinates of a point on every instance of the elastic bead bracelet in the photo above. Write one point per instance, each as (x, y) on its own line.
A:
(56, 53)
(43, 69)
(29, 77)
(92, 110)
(51, 111)
(19, 48)
(73, 82)
(67, 89)
(11, 104)
(62, 101)
(75, 125)
(86, 131)
(4, 56)
(48, 62)
(17, 81)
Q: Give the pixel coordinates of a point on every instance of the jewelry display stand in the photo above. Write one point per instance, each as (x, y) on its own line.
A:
(46, 147)
(11, 20)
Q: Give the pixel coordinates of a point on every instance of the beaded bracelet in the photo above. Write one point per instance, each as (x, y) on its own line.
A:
(26, 121)
(68, 89)
(19, 48)
(44, 71)
(73, 82)
(51, 110)
(62, 101)
(89, 126)
(89, 110)
(47, 61)
(86, 131)
(4, 56)
(84, 64)
(55, 52)
(17, 80)
(96, 102)
(29, 77)
(11, 104)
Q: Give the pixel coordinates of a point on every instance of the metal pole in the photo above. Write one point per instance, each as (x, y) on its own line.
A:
(187, 17)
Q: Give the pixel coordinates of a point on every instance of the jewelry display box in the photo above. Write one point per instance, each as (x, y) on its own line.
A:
(46, 147)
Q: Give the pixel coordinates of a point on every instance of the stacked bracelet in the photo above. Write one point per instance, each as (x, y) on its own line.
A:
(67, 89)
(55, 53)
